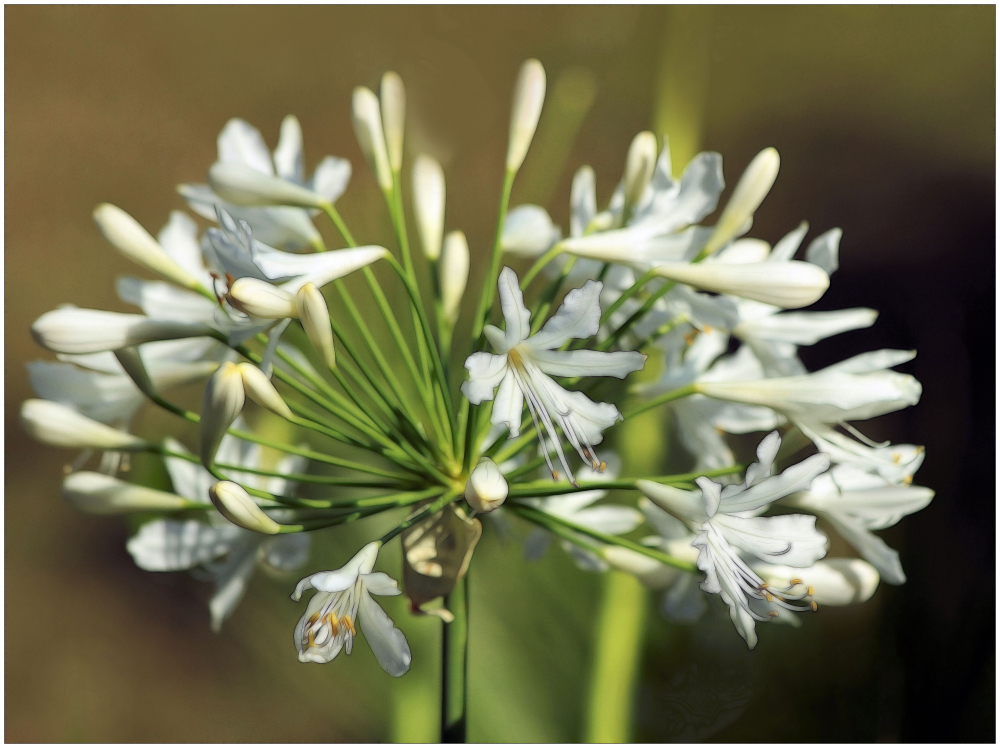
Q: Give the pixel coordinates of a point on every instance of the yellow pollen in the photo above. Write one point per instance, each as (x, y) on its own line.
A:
(907, 480)
(772, 613)
(555, 475)
(312, 619)
(514, 357)
(689, 338)
(769, 597)
(312, 638)
(809, 591)
(897, 458)
(708, 328)
(333, 622)
(813, 605)
(604, 466)
(346, 620)
(795, 582)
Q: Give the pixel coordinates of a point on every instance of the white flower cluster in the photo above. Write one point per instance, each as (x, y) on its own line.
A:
(243, 307)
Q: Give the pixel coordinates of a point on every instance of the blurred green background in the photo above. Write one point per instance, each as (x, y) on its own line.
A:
(885, 121)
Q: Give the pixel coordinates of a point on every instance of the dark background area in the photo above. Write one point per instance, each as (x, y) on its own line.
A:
(885, 121)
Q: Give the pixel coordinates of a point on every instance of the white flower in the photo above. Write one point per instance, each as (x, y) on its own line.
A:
(724, 521)
(228, 553)
(524, 365)
(343, 597)
(832, 581)
(428, 203)
(577, 507)
(855, 503)
(242, 145)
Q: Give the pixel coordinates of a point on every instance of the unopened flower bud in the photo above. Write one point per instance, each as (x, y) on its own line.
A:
(789, 285)
(393, 96)
(750, 192)
(453, 274)
(236, 505)
(74, 330)
(314, 315)
(96, 493)
(61, 426)
(258, 388)
(133, 241)
(223, 401)
(487, 488)
(428, 203)
(529, 94)
(639, 167)
(366, 115)
(243, 185)
(261, 299)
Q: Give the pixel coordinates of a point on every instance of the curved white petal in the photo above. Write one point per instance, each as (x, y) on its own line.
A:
(508, 405)
(231, 581)
(164, 300)
(872, 361)
(786, 284)
(790, 539)
(485, 372)
(288, 159)
(578, 317)
(787, 246)
(515, 313)
(378, 583)
(331, 178)
(871, 547)
(824, 250)
(386, 641)
(241, 143)
(586, 363)
(179, 239)
(806, 328)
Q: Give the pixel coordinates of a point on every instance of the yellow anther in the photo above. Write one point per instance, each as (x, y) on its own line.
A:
(707, 328)
(689, 338)
(907, 480)
(772, 613)
(346, 620)
(312, 619)
(312, 638)
(769, 597)
(794, 582)
(813, 605)
(555, 475)
(333, 622)
(897, 458)
(604, 466)
(809, 591)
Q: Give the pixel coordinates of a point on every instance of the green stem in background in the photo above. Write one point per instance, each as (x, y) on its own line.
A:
(666, 397)
(621, 624)
(490, 284)
(455, 664)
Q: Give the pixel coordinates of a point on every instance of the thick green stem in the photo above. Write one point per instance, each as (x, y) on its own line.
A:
(455, 665)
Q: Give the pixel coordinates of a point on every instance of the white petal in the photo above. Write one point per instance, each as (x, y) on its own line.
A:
(743, 251)
(179, 239)
(586, 363)
(378, 583)
(104, 397)
(331, 177)
(806, 328)
(865, 363)
(172, 545)
(288, 159)
(578, 317)
(787, 246)
(665, 524)
(871, 547)
(485, 372)
(833, 581)
(164, 300)
(795, 478)
(386, 641)
(685, 505)
(74, 330)
(582, 201)
(786, 284)
(515, 313)
(824, 250)
(318, 269)
(241, 143)
(508, 405)
(791, 539)
(528, 231)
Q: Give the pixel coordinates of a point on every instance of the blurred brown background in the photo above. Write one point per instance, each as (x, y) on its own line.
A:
(885, 120)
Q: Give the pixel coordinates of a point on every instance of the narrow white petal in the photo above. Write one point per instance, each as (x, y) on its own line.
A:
(508, 405)
(806, 328)
(790, 539)
(318, 269)
(331, 177)
(288, 159)
(586, 363)
(824, 250)
(865, 363)
(243, 185)
(872, 548)
(582, 200)
(241, 143)
(60, 426)
(378, 583)
(386, 641)
(515, 313)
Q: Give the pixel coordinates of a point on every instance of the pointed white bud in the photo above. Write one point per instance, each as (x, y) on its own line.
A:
(223, 401)
(639, 166)
(132, 363)
(258, 388)
(428, 203)
(236, 505)
(750, 192)
(487, 488)
(96, 493)
(133, 241)
(366, 115)
(74, 330)
(240, 184)
(393, 96)
(529, 94)
(453, 274)
(790, 285)
(60, 426)
(261, 299)
(314, 315)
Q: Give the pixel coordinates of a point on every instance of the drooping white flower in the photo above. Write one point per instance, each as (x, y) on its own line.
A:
(229, 554)
(241, 145)
(524, 365)
(856, 503)
(343, 597)
(723, 519)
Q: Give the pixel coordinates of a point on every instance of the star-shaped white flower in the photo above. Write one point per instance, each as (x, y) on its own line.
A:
(524, 365)
(725, 522)
(343, 597)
